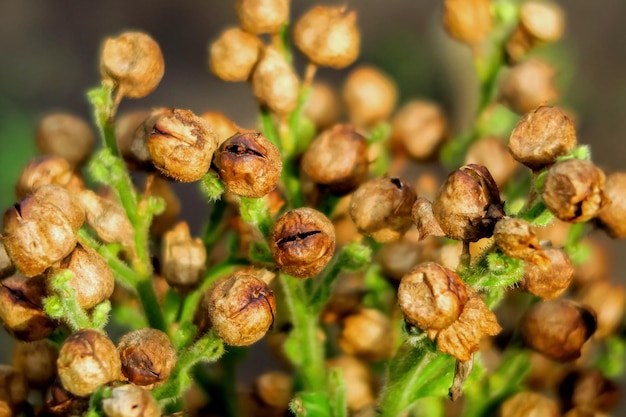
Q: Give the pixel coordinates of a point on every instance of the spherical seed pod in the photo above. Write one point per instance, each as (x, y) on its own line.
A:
(367, 334)
(87, 359)
(13, 387)
(588, 392)
(6, 264)
(369, 95)
(67, 136)
(182, 145)
(64, 200)
(423, 217)
(302, 242)
(550, 277)
(539, 22)
(359, 381)
(541, 136)
(573, 190)
(183, 259)
(493, 155)
(147, 357)
(528, 85)
(262, 16)
(241, 308)
(248, 164)
(45, 170)
(233, 55)
(274, 82)
(419, 128)
(134, 62)
(130, 401)
(558, 329)
(611, 218)
(275, 389)
(467, 21)
(337, 159)
(527, 404)
(221, 124)
(37, 362)
(323, 106)
(609, 302)
(431, 297)
(107, 218)
(328, 36)
(468, 204)
(517, 239)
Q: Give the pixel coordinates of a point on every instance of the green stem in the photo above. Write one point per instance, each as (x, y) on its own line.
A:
(215, 227)
(150, 305)
(124, 274)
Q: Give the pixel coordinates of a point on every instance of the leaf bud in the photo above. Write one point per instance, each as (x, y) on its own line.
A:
(558, 329)
(233, 55)
(274, 82)
(381, 208)
(527, 404)
(517, 239)
(468, 204)
(181, 145)
(44, 170)
(419, 128)
(467, 21)
(302, 242)
(549, 277)
(369, 95)
(539, 23)
(493, 155)
(147, 357)
(221, 124)
(67, 136)
(248, 164)
(36, 361)
(359, 381)
(275, 389)
(134, 62)
(322, 107)
(13, 387)
(367, 334)
(130, 401)
(262, 16)
(87, 359)
(337, 159)
(183, 259)
(611, 218)
(107, 218)
(423, 217)
(528, 85)
(573, 190)
(609, 302)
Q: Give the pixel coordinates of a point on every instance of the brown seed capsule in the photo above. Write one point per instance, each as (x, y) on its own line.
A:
(367, 334)
(182, 145)
(130, 401)
(221, 124)
(337, 159)
(359, 381)
(468, 204)
(262, 16)
(423, 217)
(558, 329)
(328, 36)
(527, 404)
(589, 392)
(233, 55)
(493, 155)
(419, 128)
(183, 259)
(612, 217)
(369, 95)
(541, 136)
(107, 218)
(67, 136)
(381, 208)
(528, 85)
(322, 107)
(274, 82)
(431, 296)
(13, 387)
(134, 61)
(45, 170)
(87, 359)
(275, 389)
(64, 200)
(574, 190)
(6, 264)
(248, 164)
(467, 21)
(517, 239)
(539, 23)
(241, 308)
(37, 362)
(397, 259)
(549, 277)
(609, 302)
(147, 356)
(63, 402)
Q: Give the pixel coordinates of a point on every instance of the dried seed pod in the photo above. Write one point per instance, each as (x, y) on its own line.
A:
(323, 106)
(262, 16)
(134, 62)
(233, 55)
(419, 128)
(147, 357)
(64, 403)
(359, 381)
(133, 145)
(468, 204)
(381, 208)
(608, 302)
(589, 392)
(6, 264)
(64, 200)
(431, 296)
(87, 359)
(45, 170)
(249, 164)
(493, 155)
(13, 387)
(612, 217)
(539, 23)
(558, 329)
(367, 334)
(541, 136)
(369, 95)
(67, 136)
(241, 308)
(467, 21)
(221, 124)
(183, 259)
(107, 218)
(337, 159)
(37, 362)
(549, 277)
(527, 404)
(517, 239)
(182, 145)
(328, 36)
(275, 389)
(528, 85)
(302, 242)
(573, 190)
(423, 217)
(274, 82)
(130, 401)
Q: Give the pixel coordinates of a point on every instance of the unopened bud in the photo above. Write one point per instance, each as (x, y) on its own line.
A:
(612, 217)
(130, 401)
(274, 82)
(369, 95)
(67, 136)
(233, 55)
(367, 334)
(262, 16)
(468, 21)
(548, 277)
(528, 85)
(183, 259)
(419, 127)
(147, 356)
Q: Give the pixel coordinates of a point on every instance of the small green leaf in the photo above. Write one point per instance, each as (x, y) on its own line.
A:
(53, 306)
(100, 314)
(255, 211)
(212, 186)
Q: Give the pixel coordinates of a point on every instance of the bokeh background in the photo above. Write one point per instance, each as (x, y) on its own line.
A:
(49, 54)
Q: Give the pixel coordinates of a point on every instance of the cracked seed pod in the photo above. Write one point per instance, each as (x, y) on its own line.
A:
(423, 217)
(467, 21)
(369, 95)
(262, 16)
(241, 308)
(550, 277)
(87, 359)
(6, 264)
(528, 404)
(130, 401)
(419, 128)
(541, 136)
(539, 23)
(183, 259)
(588, 392)
(64, 200)
(44, 170)
(611, 218)
(337, 159)
(37, 362)
(558, 329)
(248, 164)
(493, 155)
(233, 55)
(302, 242)
(609, 302)
(367, 334)
(359, 381)
(573, 190)
(63, 402)
(528, 85)
(328, 36)
(274, 82)
(134, 62)
(468, 204)
(108, 219)
(381, 208)
(147, 357)
(431, 297)
(517, 239)
(182, 145)
(133, 132)
(67, 136)
(322, 107)
(13, 388)
(275, 389)
(223, 127)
